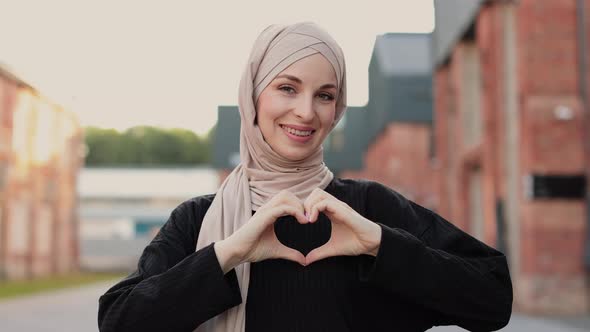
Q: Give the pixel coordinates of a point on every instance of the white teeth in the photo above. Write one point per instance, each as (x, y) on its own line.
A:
(298, 132)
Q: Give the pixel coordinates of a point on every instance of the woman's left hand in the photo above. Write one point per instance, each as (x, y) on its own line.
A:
(352, 234)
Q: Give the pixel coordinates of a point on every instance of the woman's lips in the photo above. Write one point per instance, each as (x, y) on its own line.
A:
(302, 128)
(300, 139)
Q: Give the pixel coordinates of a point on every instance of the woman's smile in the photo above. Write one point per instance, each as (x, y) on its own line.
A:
(298, 135)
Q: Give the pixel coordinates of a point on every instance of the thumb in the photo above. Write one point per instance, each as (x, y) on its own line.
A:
(291, 254)
(318, 254)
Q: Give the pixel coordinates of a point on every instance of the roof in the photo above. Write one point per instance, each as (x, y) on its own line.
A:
(401, 54)
(452, 19)
(400, 81)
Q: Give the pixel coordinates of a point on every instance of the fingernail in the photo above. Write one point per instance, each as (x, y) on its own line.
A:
(307, 217)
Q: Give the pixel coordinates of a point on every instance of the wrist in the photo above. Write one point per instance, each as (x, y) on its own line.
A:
(226, 255)
(375, 241)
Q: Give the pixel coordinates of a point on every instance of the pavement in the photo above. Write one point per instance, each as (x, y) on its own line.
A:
(521, 323)
(67, 310)
(75, 310)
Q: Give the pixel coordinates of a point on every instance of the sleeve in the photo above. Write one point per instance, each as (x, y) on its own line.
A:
(427, 260)
(174, 288)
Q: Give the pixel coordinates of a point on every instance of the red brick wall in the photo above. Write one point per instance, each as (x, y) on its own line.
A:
(399, 158)
(443, 101)
(38, 209)
(550, 277)
(489, 43)
(552, 231)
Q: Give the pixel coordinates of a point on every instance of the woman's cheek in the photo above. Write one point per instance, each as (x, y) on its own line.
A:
(328, 114)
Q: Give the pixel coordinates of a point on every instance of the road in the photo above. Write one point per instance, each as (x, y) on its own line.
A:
(74, 310)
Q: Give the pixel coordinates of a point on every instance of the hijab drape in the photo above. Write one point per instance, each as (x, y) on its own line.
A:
(262, 172)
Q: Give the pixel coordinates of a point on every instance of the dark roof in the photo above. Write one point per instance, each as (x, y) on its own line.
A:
(452, 19)
(401, 54)
(400, 81)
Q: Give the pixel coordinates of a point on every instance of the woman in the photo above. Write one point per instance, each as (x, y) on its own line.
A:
(285, 246)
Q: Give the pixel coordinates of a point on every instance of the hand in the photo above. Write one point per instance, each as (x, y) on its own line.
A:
(256, 240)
(352, 234)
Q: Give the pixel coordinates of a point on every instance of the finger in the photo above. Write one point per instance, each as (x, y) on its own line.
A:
(297, 212)
(319, 253)
(294, 201)
(321, 193)
(288, 198)
(298, 204)
(285, 210)
(292, 255)
(320, 206)
(311, 200)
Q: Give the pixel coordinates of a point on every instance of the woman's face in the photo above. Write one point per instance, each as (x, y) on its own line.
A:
(296, 110)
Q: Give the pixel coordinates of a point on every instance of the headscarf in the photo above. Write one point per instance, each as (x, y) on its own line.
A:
(262, 172)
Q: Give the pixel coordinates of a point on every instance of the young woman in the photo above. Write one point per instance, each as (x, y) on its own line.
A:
(285, 246)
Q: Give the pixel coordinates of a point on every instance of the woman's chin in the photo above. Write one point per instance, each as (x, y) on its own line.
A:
(295, 154)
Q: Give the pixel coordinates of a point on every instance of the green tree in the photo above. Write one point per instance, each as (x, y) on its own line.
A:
(147, 146)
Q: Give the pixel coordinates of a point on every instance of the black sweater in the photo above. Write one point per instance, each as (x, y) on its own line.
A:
(427, 273)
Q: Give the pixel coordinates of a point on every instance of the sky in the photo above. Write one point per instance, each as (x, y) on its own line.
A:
(118, 64)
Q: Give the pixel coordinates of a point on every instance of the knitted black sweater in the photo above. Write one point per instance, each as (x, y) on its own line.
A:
(427, 273)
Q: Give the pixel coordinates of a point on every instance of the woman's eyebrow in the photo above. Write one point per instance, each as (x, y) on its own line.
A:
(290, 77)
(299, 81)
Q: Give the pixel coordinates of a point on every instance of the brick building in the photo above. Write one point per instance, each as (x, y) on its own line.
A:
(510, 116)
(40, 154)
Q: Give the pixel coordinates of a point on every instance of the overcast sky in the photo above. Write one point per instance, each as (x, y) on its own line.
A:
(171, 63)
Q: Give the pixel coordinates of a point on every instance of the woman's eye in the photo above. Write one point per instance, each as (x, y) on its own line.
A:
(326, 96)
(287, 89)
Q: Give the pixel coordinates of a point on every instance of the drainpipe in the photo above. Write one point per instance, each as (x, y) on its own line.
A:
(583, 86)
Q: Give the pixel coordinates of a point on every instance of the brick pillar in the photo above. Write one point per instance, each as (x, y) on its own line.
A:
(442, 105)
(551, 277)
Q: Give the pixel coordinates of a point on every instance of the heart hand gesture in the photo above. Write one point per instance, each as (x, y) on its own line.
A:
(256, 240)
(352, 234)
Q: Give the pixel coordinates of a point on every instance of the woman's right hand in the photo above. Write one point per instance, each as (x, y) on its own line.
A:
(256, 240)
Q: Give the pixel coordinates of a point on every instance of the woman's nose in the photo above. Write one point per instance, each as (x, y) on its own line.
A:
(305, 109)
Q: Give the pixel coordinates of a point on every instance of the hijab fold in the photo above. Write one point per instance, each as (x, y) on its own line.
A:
(262, 172)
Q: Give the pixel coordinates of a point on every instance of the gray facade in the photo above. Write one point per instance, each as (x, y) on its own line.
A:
(400, 81)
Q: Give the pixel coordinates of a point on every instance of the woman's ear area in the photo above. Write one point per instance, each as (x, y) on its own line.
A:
(256, 102)
(256, 99)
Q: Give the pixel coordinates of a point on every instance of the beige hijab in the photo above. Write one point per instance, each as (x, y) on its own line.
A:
(262, 172)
